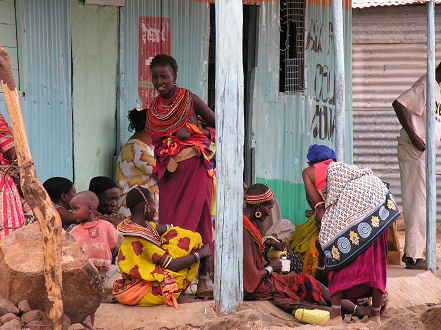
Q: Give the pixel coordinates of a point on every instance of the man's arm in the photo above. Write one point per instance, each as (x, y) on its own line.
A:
(401, 112)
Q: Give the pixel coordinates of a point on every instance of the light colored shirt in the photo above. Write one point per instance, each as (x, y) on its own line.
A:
(414, 99)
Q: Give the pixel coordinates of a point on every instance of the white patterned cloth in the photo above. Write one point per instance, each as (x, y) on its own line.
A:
(359, 208)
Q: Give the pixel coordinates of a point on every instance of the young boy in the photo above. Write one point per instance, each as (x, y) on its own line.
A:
(96, 237)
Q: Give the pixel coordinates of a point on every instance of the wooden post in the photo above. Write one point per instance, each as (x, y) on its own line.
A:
(35, 195)
(430, 142)
(228, 281)
(339, 80)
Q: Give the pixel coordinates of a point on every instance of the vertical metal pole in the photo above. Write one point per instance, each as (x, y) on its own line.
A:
(228, 265)
(339, 80)
(430, 143)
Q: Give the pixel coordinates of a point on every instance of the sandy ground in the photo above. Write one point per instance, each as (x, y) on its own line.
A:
(415, 304)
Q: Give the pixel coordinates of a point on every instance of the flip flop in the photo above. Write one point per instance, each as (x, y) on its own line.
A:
(204, 293)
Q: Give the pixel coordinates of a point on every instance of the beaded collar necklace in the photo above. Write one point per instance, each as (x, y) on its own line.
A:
(165, 117)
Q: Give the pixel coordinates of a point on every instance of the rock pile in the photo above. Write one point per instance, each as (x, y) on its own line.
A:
(22, 275)
(14, 317)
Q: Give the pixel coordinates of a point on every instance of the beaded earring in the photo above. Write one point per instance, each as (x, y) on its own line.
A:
(258, 214)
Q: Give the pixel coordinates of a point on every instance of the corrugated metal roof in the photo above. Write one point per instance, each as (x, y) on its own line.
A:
(378, 3)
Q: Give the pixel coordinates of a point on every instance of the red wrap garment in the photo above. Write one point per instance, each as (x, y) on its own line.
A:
(298, 287)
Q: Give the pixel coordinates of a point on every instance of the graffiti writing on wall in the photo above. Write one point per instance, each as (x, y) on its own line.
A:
(319, 42)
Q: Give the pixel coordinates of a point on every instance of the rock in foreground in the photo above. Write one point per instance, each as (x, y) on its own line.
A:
(22, 269)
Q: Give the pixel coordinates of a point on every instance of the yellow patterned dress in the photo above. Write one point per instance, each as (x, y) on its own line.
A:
(134, 168)
(144, 282)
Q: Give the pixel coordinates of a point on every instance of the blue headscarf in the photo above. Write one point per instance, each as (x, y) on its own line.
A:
(319, 153)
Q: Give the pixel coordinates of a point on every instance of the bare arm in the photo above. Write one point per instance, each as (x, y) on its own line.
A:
(401, 112)
(312, 196)
(203, 110)
(184, 262)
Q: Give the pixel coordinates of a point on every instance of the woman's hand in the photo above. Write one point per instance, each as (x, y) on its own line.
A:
(183, 134)
(279, 246)
(276, 264)
(205, 251)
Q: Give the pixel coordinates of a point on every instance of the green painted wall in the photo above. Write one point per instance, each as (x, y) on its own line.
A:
(284, 125)
(94, 70)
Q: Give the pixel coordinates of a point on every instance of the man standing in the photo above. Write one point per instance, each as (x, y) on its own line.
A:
(410, 108)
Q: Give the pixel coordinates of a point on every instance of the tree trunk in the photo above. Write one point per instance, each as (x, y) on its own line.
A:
(35, 195)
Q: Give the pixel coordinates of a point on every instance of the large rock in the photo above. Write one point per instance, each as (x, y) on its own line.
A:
(22, 272)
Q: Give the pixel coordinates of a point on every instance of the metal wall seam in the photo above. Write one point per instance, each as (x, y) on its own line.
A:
(47, 106)
(382, 69)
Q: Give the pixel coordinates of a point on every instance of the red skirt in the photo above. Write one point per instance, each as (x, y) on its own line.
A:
(367, 271)
(185, 197)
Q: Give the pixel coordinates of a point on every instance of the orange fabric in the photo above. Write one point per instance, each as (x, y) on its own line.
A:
(168, 287)
(130, 292)
(311, 258)
(321, 169)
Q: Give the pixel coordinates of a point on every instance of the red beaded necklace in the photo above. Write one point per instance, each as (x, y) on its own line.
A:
(165, 117)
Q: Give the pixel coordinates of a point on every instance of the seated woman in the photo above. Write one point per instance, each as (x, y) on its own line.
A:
(157, 262)
(107, 193)
(353, 218)
(61, 191)
(135, 162)
(261, 281)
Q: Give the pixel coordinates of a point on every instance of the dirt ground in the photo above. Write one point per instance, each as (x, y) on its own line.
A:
(415, 304)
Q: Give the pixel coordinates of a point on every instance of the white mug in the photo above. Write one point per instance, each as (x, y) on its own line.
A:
(286, 265)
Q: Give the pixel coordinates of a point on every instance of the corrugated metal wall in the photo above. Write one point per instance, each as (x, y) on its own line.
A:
(46, 104)
(388, 56)
(284, 125)
(189, 46)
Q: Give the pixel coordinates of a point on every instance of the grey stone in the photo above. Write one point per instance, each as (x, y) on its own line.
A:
(11, 325)
(23, 306)
(22, 269)
(7, 306)
(8, 317)
(34, 315)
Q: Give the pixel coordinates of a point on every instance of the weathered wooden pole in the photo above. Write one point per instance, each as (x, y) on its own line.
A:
(339, 79)
(228, 268)
(430, 143)
(35, 195)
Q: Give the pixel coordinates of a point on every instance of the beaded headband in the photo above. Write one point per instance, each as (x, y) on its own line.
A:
(259, 199)
(147, 206)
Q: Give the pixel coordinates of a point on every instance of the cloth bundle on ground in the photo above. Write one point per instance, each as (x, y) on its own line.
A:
(359, 209)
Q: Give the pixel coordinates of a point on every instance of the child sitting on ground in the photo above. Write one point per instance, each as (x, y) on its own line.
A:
(96, 237)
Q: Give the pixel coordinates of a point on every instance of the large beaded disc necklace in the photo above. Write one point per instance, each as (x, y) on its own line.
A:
(165, 117)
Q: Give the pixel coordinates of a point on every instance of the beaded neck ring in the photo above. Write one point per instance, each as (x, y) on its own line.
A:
(167, 116)
(146, 206)
(259, 199)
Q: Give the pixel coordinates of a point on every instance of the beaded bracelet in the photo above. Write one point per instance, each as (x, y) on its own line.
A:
(166, 259)
(318, 204)
(168, 262)
(196, 256)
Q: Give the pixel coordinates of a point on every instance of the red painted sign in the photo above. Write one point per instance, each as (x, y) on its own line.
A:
(154, 39)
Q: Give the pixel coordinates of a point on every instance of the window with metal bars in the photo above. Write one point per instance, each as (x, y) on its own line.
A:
(292, 28)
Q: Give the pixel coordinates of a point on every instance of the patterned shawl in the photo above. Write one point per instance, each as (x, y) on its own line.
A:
(359, 208)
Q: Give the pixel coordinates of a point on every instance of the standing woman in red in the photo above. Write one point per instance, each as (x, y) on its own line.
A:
(12, 216)
(184, 154)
